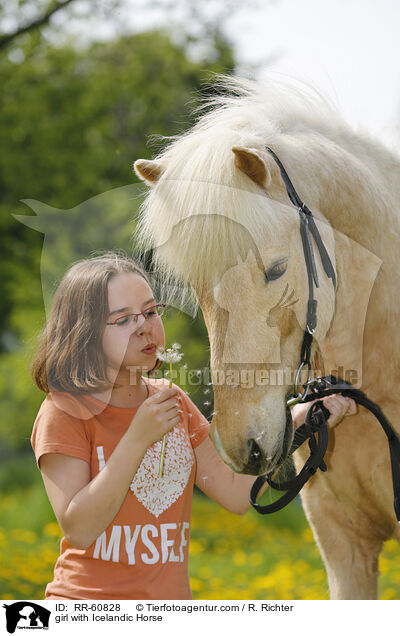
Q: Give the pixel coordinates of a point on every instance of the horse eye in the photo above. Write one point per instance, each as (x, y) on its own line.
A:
(276, 271)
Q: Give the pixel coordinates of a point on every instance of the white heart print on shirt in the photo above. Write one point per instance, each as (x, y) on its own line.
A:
(155, 493)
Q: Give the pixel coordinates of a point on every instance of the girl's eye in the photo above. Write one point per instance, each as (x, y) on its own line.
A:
(122, 321)
(276, 271)
(150, 313)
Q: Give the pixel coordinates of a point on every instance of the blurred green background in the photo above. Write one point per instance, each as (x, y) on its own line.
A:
(74, 116)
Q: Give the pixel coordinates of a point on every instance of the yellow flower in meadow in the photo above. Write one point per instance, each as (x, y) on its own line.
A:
(384, 565)
(389, 594)
(205, 572)
(239, 557)
(52, 530)
(215, 582)
(25, 536)
(196, 547)
(318, 576)
(307, 535)
(395, 577)
(300, 567)
(263, 582)
(256, 558)
(392, 547)
(196, 584)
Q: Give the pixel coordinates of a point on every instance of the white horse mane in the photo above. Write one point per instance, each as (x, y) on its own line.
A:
(200, 178)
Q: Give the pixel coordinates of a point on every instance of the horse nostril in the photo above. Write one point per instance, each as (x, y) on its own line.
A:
(255, 454)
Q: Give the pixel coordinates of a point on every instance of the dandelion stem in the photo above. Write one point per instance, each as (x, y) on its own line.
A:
(164, 441)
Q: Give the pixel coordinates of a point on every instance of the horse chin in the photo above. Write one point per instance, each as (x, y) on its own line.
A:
(269, 466)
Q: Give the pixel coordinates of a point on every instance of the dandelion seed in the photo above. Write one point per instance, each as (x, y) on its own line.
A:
(207, 403)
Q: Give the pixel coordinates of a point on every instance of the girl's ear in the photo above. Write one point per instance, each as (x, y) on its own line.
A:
(253, 163)
(149, 171)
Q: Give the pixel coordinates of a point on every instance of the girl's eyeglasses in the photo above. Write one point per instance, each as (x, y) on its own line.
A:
(133, 319)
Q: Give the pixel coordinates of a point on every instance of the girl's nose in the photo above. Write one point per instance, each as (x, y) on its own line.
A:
(143, 326)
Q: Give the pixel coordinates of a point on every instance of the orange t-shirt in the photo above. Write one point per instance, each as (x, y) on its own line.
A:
(143, 553)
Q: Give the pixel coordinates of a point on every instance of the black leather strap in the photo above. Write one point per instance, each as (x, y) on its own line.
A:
(315, 424)
(310, 225)
(322, 388)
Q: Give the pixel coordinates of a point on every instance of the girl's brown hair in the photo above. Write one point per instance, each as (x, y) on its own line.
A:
(70, 355)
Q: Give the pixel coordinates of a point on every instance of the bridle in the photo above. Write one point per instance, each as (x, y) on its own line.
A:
(315, 428)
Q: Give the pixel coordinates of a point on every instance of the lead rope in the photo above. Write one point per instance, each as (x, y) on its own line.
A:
(316, 424)
(315, 428)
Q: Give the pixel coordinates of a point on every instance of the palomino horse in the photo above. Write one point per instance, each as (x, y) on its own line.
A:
(219, 214)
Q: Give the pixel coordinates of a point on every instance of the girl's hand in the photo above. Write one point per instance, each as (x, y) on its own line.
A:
(337, 405)
(156, 416)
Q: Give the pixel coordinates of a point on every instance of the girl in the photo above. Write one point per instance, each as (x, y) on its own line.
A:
(97, 440)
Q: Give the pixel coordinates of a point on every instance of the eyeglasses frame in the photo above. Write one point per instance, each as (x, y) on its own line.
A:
(141, 313)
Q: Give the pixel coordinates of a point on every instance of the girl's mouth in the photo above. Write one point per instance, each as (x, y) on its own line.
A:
(150, 349)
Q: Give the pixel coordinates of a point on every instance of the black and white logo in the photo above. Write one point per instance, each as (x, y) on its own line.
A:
(26, 615)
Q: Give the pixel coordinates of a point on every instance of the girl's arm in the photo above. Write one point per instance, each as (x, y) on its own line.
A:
(231, 490)
(83, 507)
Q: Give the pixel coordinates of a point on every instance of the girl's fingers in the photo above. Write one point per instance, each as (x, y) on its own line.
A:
(339, 406)
(353, 407)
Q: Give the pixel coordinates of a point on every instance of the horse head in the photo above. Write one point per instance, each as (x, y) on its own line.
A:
(248, 274)
(219, 216)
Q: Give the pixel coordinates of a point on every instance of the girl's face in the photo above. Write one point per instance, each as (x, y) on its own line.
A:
(123, 345)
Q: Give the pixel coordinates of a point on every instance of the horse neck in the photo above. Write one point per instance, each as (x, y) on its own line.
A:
(355, 186)
(353, 182)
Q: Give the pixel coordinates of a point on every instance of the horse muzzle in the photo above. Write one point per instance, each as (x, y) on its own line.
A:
(254, 454)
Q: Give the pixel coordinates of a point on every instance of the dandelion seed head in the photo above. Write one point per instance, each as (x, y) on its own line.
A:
(169, 355)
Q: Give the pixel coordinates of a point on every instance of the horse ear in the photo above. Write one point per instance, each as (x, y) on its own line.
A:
(251, 162)
(149, 171)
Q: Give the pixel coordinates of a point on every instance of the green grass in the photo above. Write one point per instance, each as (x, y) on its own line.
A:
(231, 556)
